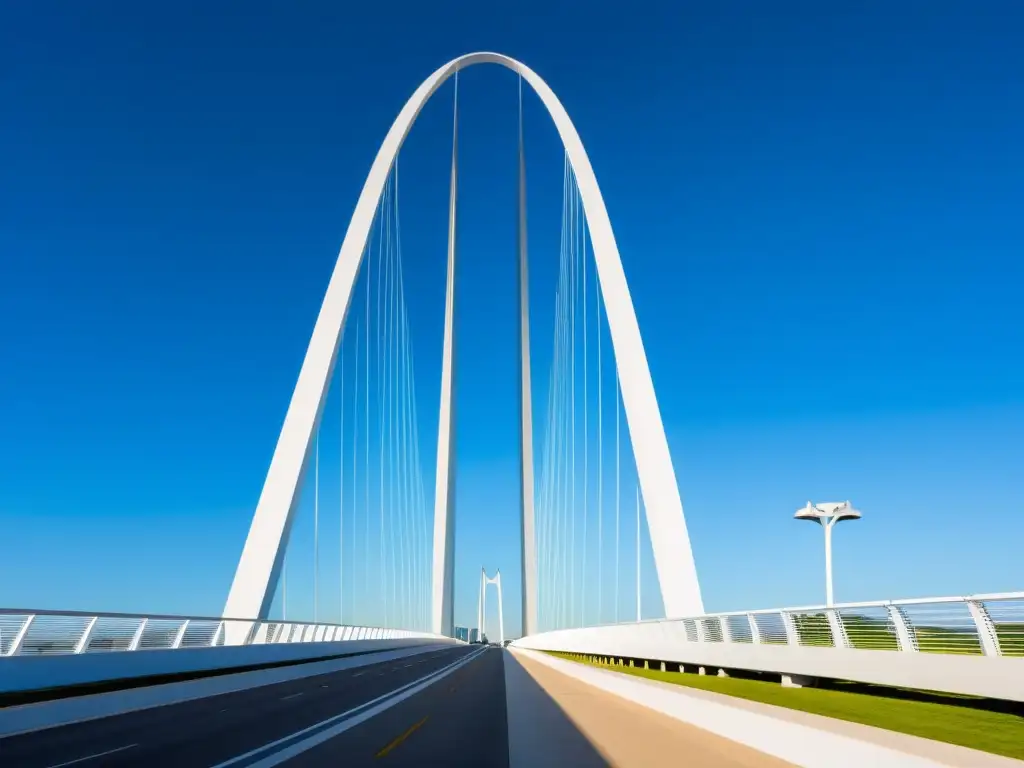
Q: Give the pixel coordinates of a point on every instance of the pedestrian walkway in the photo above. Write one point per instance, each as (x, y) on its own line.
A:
(555, 720)
(577, 688)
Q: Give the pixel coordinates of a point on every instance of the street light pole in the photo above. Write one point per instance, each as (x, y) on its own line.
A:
(828, 559)
(827, 515)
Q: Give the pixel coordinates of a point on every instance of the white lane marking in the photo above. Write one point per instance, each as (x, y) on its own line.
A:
(93, 757)
(357, 674)
(407, 666)
(349, 719)
(292, 696)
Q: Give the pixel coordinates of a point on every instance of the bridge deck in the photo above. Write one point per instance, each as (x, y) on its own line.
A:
(459, 705)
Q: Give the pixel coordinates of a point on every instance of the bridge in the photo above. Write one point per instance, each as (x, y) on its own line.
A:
(377, 673)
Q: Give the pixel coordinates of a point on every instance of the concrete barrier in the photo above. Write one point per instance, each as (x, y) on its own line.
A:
(59, 712)
(29, 673)
(998, 677)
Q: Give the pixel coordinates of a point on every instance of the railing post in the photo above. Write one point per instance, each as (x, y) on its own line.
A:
(137, 637)
(904, 629)
(180, 634)
(19, 637)
(249, 636)
(723, 622)
(216, 634)
(835, 625)
(83, 640)
(260, 633)
(755, 631)
(792, 636)
(986, 629)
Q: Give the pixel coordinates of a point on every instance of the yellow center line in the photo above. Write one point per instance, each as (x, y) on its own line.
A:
(401, 738)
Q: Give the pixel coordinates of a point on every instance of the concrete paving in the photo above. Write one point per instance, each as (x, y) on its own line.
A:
(555, 720)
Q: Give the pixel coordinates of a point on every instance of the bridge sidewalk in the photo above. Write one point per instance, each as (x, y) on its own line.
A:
(918, 751)
(555, 720)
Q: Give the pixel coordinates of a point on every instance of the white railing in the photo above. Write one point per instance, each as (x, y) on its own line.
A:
(26, 632)
(989, 625)
(972, 645)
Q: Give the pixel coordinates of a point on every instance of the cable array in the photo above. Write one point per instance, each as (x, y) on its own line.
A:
(571, 502)
(382, 549)
(385, 527)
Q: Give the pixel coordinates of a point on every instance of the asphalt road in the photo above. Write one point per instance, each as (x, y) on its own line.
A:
(373, 715)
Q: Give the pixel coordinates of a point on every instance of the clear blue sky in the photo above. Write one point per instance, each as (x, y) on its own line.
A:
(819, 211)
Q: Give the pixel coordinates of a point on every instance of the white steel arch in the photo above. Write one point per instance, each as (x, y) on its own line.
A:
(262, 556)
(481, 606)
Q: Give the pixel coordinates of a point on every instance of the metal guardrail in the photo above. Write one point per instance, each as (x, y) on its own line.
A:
(29, 632)
(963, 645)
(981, 625)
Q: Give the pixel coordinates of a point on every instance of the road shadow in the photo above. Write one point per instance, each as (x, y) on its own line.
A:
(540, 733)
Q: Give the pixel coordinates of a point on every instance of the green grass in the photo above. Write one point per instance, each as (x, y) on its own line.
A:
(966, 721)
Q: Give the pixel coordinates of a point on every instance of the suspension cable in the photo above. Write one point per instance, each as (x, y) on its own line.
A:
(316, 529)
(366, 482)
(397, 546)
(382, 278)
(638, 604)
(567, 391)
(341, 487)
(617, 494)
(586, 437)
(600, 455)
(572, 358)
(355, 440)
(389, 389)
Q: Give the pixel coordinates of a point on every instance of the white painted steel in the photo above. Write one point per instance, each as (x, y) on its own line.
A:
(528, 542)
(482, 605)
(827, 514)
(55, 633)
(54, 648)
(442, 614)
(262, 556)
(966, 645)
